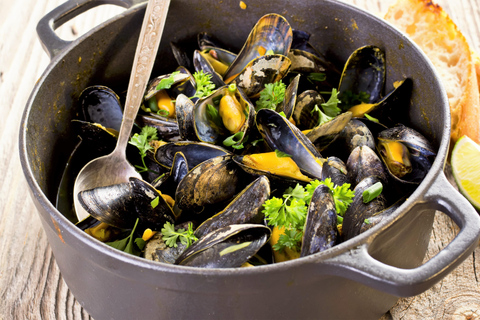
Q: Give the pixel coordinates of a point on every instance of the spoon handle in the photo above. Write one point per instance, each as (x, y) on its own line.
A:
(148, 43)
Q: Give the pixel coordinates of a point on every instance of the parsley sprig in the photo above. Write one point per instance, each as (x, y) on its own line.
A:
(203, 83)
(290, 212)
(171, 236)
(330, 109)
(271, 96)
(349, 99)
(142, 142)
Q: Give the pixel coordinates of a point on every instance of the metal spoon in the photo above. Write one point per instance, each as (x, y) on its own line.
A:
(114, 168)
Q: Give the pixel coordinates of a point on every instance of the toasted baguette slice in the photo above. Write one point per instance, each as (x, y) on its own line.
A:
(434, 31)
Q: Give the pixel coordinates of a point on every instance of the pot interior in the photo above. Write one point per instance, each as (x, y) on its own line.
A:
(104, 57)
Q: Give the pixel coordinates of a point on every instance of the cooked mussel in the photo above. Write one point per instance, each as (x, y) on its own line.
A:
(320, 231)
(363, 162)
(282, 135)
(225, 112)
(363, 77)
(246, 207)
(359, 211)
(272, 32)
(121, 204)
(227, 247)
(101, 105)
(407, 154)
(194, 152)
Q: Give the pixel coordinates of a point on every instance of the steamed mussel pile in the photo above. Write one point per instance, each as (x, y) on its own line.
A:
(254, 157)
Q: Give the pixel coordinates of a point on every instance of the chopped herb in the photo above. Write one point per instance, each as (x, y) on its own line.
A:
(366, 221)
(292, 238)
(282, 114)
(254, 143)
(371, 118)
(163, 112)
(271, 96)
(372, 192)
(234, 140)
(281, 154)
(171, 236)
(129, 245)
(155, 202)
(269, 52)
(166, 83)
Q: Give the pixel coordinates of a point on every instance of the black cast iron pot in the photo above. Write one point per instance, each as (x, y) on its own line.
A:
(360, 278)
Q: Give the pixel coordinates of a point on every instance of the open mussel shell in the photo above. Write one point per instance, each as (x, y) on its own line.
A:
(363, 74)
(211, 129)
(246, 207)
(271, 32)
(167, 129)
(202, 64)
(391, 109)
(101, 105)
(320, 231)
(227, 247)
(363, 162)
(323, 135)
(416, 152)
(181, 56)
(289, 102)
(121, 204)
(168, 182)
(178, 79)
(282, 135)
(194, 152)
(358, 211)
(211, 182)
(261, 71)
(222, 55)
(100, 139)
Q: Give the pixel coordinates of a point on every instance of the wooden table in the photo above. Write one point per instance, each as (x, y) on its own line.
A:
(31, 286)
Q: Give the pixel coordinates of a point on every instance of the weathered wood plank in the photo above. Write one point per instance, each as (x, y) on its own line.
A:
(31, 286)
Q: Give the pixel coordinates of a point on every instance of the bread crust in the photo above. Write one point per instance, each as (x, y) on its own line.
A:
(430, 27)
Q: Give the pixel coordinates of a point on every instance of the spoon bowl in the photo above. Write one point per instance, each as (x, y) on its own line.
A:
(115, 168)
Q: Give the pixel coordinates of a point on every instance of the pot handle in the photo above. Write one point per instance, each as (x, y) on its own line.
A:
(46, 27)
(360, 266)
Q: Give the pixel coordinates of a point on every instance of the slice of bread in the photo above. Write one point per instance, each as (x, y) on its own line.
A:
(434, 31)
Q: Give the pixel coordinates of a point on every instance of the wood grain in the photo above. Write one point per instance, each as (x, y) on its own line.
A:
(31, 286)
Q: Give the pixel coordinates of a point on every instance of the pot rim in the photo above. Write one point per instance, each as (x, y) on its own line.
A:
(361, 239)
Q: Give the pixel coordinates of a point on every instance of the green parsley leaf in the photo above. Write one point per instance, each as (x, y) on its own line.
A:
(343, 197)
(330, 107)
(271, 96)
(166, 83)
(234, 140)
(204, 84)
(171, 236)
(127, 244)
(254, 143)
(322, 117)
(281, 154)
(142, 142)
(291, 239)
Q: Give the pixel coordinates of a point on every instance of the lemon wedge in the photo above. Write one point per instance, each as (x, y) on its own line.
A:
(466, 169)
